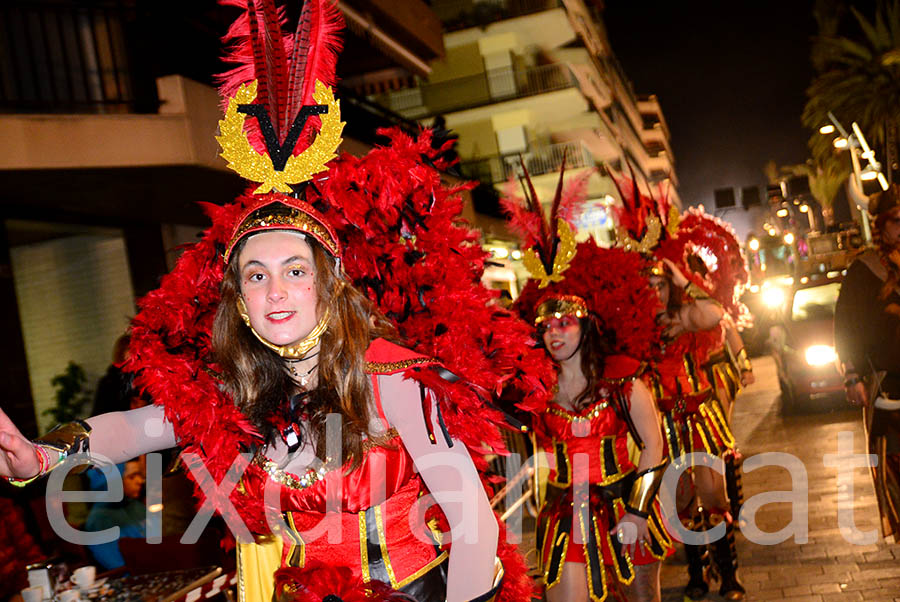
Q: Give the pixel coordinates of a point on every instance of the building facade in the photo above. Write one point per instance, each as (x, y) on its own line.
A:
(530, 82)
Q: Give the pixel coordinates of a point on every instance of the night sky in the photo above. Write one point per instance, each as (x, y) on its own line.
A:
(730, 77)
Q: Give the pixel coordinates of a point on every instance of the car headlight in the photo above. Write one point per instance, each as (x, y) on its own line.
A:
(819, 355)
(773, 296)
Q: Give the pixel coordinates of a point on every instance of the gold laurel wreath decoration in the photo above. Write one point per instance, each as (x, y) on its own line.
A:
(674, 220)
(649, 240)
(257, 167)
(565, 252)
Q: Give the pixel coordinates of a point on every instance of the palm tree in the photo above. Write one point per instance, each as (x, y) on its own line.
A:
(858, 80)
(825, 179)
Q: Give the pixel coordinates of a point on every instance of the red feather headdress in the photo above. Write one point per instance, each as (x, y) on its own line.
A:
(611, 282)
(708, 251)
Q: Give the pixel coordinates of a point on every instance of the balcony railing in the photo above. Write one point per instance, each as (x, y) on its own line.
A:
(462, 14)
(539, 160)
(72, 56)
(489, 87)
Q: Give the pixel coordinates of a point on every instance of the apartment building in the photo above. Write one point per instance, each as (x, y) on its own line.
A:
(533, 81)
(108, 118)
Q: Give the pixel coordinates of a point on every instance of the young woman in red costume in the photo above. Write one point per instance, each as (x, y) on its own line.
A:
(599, 531)
(262, 339)
(692, 419)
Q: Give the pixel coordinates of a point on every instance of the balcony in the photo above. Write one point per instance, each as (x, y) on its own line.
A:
(489, 87)
(75, 57)
(539, 161)
(462, 14)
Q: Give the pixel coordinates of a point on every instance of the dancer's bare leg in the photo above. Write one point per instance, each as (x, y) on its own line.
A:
(572, 586)
(710, 488)
(645, 587)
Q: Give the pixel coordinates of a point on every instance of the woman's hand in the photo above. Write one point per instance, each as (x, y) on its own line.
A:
(747, 378)
(678, 277)
(856, 394)
(17, 456)
(632, 532)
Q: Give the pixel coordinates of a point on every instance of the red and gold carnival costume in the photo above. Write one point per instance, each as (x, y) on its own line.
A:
(599, 433)
(692, 420)
(376, 541)
(394, 232)
(605, 286)
(707, 254)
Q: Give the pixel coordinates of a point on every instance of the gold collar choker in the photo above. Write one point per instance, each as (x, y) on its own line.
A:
(297, 350)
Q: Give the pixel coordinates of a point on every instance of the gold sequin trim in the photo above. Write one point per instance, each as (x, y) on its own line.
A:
(369, 444)
(590, 415)
(364, 548)
(295, 219)
(390, 367)
(625, 379)
(306, 480)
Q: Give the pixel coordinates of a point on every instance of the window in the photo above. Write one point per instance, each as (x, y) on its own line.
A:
(816, 303)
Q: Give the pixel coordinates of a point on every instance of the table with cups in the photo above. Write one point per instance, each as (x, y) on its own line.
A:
(85, 585)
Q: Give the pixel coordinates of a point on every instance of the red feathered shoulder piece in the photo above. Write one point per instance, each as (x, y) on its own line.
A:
(385, 357)
(622, 367)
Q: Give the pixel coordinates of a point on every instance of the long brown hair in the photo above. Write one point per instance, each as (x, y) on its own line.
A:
(597, 343)
(260, 384)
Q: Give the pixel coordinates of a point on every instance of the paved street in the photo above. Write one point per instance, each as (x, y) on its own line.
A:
(826, 566)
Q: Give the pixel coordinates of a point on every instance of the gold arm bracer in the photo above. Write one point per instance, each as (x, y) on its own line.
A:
(643, 492)
(68, 439)
(743, 361)
(696, 292)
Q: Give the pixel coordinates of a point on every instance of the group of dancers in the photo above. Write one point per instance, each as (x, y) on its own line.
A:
(330, 365)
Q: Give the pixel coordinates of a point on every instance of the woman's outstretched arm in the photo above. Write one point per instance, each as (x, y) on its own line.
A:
(117, 436)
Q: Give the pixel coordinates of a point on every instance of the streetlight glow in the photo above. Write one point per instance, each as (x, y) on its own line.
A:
(789, 238)
(753, 244)
(782, 213)
(826, 129)
(804, 208)
(840, 143)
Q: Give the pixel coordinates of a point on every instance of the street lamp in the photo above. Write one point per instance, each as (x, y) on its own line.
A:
(859, 148)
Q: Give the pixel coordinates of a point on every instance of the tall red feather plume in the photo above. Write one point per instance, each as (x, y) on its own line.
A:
(527, 219)
(259, 50)
(275, 64)
(321, 49)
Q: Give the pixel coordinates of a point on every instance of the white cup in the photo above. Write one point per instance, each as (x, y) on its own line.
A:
(33, 594)
(84, 577)
(70, 595)
(40, 578)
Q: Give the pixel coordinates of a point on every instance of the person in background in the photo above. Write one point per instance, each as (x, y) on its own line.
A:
(113, 387)
(129, 515)
(867, 340)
